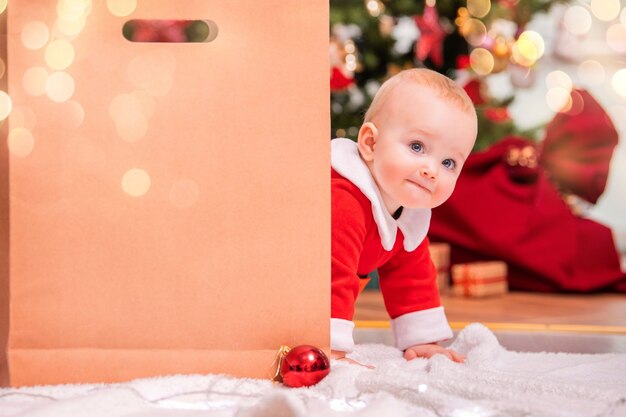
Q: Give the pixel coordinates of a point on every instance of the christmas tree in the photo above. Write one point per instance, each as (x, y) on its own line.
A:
(466, 40)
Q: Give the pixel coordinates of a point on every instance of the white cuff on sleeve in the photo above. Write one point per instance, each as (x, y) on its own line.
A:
(341, 335)
(419, 327)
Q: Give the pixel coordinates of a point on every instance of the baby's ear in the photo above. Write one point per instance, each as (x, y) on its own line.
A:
(368, 134)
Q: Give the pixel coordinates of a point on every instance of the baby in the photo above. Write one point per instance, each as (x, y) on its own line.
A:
(416, 135)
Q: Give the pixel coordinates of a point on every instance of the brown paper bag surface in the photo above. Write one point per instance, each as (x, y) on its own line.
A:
(4, 219)
(172, 215)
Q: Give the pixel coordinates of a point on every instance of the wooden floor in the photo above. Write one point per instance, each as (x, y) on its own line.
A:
(518, 307)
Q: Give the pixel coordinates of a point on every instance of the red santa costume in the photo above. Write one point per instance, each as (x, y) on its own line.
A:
(366, 237)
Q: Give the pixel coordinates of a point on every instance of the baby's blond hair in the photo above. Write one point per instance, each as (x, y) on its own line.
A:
(440, 84)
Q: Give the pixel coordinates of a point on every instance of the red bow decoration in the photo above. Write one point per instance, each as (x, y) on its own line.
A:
(578, 147)
(575, 153)
(508, 206)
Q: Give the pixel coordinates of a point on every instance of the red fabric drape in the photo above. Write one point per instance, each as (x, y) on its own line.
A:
(516, 214)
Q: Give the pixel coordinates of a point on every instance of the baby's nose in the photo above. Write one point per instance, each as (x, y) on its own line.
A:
(428, 172)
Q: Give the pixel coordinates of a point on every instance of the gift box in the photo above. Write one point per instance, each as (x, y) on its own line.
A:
(440, 255)
(479, 279)
(169, 202)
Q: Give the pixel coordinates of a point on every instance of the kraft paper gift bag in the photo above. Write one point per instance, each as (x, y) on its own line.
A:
(4, 219)
(169, 202)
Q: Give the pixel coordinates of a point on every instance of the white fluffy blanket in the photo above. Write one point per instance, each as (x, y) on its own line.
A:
(492, 382)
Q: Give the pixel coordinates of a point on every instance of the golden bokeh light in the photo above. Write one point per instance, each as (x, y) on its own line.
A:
(60, 87)
(17, 118)
(559, 79)
(474, 31)
(77, 4)
(67, 13)
(3, 5)
(74, 114)
(481, 61)
(577, 103)
(616, 38)
(605, 9)
(35, 35)
(479, 8)
(35, 80)
(153, 72)
(147, 102)
(501, 47)
(136, 182)
(351, 65)
(577, 20)
(73, 9)
(591, 72)
(461, 16)
(20, 142)
(127, 111)
(59, 54)
(89, 8)
(6, 105)
(71, 27)
(559, 99)
(23, 117)
(619, 82)
(184, 193)
(121, 8)
(528, 48)
(375, 7)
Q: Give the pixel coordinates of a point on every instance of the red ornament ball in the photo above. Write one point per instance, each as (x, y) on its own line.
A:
(304, 366)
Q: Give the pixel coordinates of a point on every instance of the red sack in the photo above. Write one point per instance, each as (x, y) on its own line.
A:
(507, 207)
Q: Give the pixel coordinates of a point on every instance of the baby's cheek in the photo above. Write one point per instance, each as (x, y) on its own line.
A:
(396, 168)
(445, 190)
(387, 171)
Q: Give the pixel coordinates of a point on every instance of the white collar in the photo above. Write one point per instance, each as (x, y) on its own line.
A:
(413, 222)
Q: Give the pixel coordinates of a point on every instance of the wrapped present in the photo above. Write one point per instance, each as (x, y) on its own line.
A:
(440, 254)
(479, 279)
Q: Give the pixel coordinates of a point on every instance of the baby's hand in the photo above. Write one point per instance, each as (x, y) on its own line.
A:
(341, 356)
(431, 349)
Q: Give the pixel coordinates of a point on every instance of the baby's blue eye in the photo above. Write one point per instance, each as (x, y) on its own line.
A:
(449, 163)
(417, 147)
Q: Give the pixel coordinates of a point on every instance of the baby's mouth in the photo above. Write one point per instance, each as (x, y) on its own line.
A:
(418, 185)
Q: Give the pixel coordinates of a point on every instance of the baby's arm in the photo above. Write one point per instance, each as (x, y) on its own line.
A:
(430, 349)
(408, 283)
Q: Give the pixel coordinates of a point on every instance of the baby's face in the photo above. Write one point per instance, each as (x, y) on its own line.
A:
(421, 146)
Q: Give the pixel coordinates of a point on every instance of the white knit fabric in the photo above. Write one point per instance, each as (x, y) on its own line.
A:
(493, 382)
